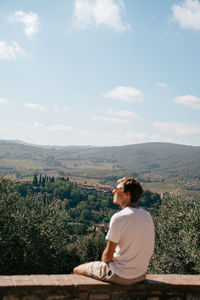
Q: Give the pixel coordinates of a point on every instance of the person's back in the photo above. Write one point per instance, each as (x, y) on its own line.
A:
(130, 239)
(133, 230)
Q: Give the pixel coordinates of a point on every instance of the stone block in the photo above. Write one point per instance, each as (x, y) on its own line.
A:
(83, 295)
(62, 280)
(10, 297)
(99, 297)
(123, 297)
(31, 297)
(59, 297)
(22, 280)
(6, 282)
(193, 297)
(42, 280)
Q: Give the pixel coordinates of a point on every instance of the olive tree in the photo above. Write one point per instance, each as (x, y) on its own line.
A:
(177, 226)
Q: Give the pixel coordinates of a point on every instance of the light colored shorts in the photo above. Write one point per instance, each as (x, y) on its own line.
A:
(101, 271)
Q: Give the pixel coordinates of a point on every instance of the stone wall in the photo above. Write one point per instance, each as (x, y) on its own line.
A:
(62, 287)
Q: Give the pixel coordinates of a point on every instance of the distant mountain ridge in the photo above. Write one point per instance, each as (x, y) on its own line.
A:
(147, 159)
(44, 146)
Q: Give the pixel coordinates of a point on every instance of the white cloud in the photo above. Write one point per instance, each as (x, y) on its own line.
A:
(53, 128)
(177, 128)
(21, 124)
(107, 120)
(125, 93)
(66, 135)
(10, 51)
(61, 134)
(66, 108)
(60, 127)
(162, 84)
(188, 101)
(141, 136)
(187, 14)
(57, 108)
(34, 106)
(54, 134)
(123, 113)
(121, 117)
(3, 101)
(30, 20)
(100, 12)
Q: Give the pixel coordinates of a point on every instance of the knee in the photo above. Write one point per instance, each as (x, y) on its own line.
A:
(80, 270)
(75, 270)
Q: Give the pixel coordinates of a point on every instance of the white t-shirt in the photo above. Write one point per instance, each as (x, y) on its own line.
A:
(133, 230)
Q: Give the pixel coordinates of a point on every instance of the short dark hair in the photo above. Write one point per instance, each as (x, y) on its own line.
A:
(133, 186)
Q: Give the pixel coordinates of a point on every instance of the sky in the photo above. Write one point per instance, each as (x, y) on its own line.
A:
(100, 72)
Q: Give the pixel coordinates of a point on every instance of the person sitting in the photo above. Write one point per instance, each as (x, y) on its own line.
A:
(130, 239)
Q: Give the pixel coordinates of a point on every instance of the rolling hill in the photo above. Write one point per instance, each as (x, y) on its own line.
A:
(156, 160)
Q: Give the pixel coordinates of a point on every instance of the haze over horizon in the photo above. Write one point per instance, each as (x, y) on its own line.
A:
(100, 72)
(88, 146)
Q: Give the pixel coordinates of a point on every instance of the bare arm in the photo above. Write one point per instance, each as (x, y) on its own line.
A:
(109, 251)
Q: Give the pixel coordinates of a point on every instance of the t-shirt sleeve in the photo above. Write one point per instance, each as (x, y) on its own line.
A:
(113, 234)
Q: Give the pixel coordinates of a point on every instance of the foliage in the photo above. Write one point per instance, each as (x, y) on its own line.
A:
(83, 206)
(49, 228)
(90, 248)
(150, 201)
(33, 237)
(177, 237)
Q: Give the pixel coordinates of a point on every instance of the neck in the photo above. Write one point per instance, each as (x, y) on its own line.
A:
(131, 204)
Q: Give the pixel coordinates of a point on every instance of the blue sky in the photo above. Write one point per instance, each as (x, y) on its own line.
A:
(100, 72)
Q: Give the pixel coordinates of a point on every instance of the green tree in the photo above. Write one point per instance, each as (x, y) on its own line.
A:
(177, 237)
(43, 181)
(33, 236)
(90, 248)
(35, 180)
(40, 180)
(21, 189)
(52, 179)
(150, 199)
